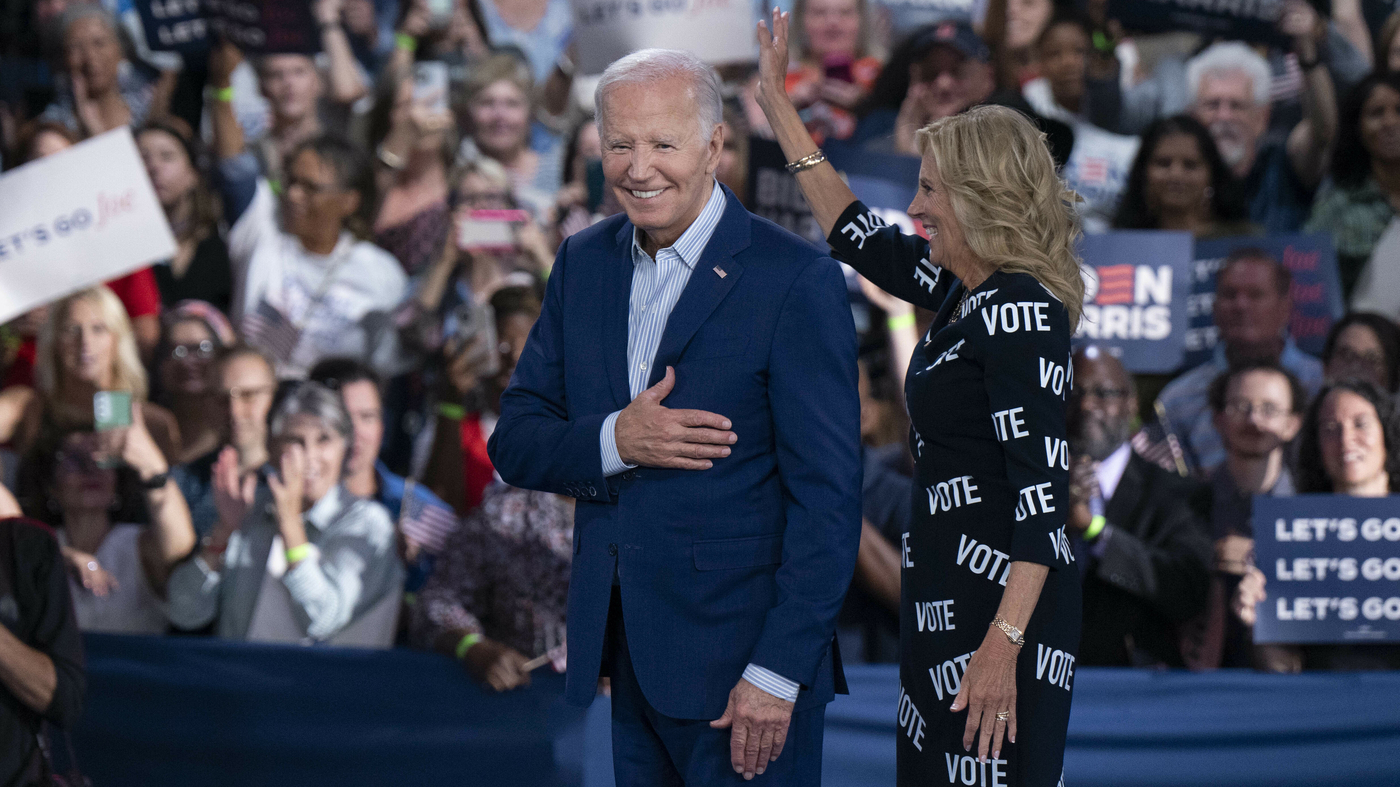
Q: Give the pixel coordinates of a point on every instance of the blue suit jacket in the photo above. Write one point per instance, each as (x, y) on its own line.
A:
(747, 561)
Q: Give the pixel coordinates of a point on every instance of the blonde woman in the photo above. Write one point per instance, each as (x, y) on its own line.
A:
(86, 346)
(990, 604)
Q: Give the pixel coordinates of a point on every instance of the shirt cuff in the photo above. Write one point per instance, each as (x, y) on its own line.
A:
(607, 440)
(771, 682)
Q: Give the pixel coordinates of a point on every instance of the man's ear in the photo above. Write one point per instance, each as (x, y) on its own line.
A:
(1292, 425)
(350, 203)
(715, 148)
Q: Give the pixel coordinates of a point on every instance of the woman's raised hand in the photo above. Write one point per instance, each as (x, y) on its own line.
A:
(233, 494)
(772, 59)
(289, 483)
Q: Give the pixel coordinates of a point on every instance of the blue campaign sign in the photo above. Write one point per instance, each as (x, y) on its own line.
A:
(1136, 284)
(174, 25)
(1317, 289)
(1333, 568)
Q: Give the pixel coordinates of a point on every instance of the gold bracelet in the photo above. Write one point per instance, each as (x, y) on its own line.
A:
(806, 162)
(1012, 633)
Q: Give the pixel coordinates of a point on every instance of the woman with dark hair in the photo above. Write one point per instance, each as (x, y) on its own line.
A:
(1349, 445)
(309, 284)
(194, 334)
(200, 269)
(1364, 346)
(1350, 442)
(414, 145)
(1358, 205)
(1180, 182)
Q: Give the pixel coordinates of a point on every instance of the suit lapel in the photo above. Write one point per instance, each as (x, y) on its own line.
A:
(706, 288)
(1126, 495)
(618, 298)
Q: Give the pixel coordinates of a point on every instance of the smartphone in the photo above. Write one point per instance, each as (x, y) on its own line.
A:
(838, 67)
(477, 320)
(439, 12)
(596, 185)
(489, 230)
(430, 85)
(111, 410)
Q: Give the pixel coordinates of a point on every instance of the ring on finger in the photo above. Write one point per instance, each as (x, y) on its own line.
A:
(1003, 715)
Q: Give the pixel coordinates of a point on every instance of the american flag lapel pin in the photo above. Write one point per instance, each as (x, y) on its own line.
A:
(720, 271)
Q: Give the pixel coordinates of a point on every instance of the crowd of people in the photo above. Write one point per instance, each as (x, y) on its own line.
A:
(362, 246)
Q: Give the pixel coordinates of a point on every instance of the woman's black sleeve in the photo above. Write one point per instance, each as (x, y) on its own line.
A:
(895, 262)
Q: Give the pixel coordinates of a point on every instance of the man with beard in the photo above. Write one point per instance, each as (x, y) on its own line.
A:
(1229, 86)
(1139, 543)
(1258, 409)
(1252, 308)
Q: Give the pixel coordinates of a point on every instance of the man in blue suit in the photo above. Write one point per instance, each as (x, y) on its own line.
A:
(715, 534)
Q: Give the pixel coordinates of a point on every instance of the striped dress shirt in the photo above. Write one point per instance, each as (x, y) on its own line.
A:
(656, 286)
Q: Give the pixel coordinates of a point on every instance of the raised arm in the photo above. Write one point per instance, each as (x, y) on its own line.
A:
(345, 83)
(1310, 142)
(824, 189)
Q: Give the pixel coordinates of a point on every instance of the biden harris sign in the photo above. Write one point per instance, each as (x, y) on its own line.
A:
(1136, 285)
(1332, 565)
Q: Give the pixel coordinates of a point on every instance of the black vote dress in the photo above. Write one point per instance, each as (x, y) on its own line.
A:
(986, 397)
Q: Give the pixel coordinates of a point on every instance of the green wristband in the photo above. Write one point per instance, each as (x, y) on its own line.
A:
(224, 94)
(901, 321)
(452, 412)
(466, 644)
(1096, 526)
(298, 553)
(406, 42)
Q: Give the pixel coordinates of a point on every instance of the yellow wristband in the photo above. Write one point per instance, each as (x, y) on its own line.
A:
(452, 412)
(406, 42)
(1096, 526)
(224, 94)
(901, 321)
(298, 553)
(466, 644)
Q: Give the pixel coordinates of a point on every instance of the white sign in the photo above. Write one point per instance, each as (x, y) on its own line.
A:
(75, 219)
(718, 31)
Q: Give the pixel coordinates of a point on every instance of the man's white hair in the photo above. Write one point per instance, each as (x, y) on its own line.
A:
(654, 65)
(1227, 57)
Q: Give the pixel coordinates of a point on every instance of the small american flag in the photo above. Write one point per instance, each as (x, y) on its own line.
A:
(1093, 171)
(269, 330)
(425, 522)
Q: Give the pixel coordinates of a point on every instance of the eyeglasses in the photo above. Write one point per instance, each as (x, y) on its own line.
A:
(203, 351)
(1345, 355)
(1244, 409)
(1099, 392)
(311, 187)
(243, 395)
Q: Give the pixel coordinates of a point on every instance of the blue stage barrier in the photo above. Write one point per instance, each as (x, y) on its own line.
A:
(182, 711)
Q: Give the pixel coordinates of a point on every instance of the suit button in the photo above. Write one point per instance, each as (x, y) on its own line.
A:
(592, 491)
(612, 549)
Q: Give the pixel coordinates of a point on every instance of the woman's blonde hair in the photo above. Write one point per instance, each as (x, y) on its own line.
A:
(1015, 212)
(127, 372)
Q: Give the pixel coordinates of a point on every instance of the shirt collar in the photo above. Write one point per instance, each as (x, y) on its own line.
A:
(693, 241)
(1286, 359)
(325, 510)
(1110, 470)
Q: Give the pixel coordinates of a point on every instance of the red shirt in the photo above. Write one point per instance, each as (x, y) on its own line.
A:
(138, 293)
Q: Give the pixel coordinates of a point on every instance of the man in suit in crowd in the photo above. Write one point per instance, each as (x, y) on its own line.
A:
(715, 535)
(1140, 544)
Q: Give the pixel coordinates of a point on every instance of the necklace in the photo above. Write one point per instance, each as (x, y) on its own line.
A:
(960, 308)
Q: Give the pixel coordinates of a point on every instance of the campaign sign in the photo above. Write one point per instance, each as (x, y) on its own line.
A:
(1255, 21)
(1333, 568)
(1135, 287)
(1317, 289)
(717, 31)
(77, 218)
(885, 182)
(174, 26)
(267, 26)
